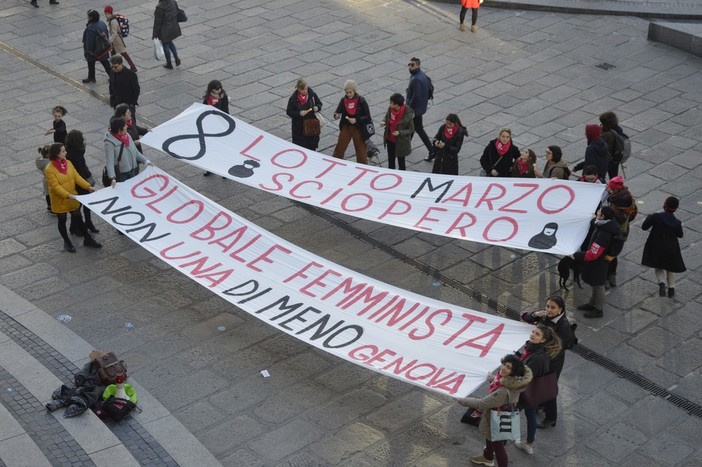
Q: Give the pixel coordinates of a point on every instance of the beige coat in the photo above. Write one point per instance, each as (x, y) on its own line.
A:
(118, 44)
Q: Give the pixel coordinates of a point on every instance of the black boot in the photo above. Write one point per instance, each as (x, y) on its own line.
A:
(661, 289)
(34, 3)
(91, 227)
(594, 313)
(68, 246)
(75, 231)
(671, 292)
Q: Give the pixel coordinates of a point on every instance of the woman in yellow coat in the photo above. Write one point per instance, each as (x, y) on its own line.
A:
(473, 5)
(62, 179)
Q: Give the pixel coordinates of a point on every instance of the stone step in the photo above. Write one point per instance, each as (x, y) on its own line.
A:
(684, 36)
(16, 447)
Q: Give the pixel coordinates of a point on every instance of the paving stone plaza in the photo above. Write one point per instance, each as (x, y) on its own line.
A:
(629, 393)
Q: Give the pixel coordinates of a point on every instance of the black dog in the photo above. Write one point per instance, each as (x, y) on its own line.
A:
(564, 266)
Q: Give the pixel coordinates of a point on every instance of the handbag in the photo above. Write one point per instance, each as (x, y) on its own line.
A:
(504, 423)
(541, 389)
(106, 180)
(181, 17)
(311, 127)
(472, 417)
(159, 54)
(370, 129)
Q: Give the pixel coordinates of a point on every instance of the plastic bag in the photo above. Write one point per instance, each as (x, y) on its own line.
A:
(159, 54)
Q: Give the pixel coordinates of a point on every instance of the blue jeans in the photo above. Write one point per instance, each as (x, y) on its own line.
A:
(530, 414)
(168, 48)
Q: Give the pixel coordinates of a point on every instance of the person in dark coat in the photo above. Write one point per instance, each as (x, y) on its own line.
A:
(75, 152)
(124, 86)
(167, 29)
(447, 144)
(93, 29)
(662, 249)
(595, 266)
(399, 126)
(216, 96)
(302, 105)
(418, 100)
(499, 155)
(596, 152)
(621, 200)
(554, 316)
(543, 344)
(610, 125)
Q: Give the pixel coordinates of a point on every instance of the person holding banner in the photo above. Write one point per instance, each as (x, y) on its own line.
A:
(122, 156)
(216, 96)
(303, 105)
(555, 166)
(399, 126)
(62, 179)
(525, 165)
(447, 143)
(354, 119)
(499, 155)
(595, 266)
(511, 380)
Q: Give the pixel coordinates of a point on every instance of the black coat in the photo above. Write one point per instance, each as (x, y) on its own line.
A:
(124, 88)
(363, 115)
(662, 249)
(446, 158)
(222, 104)
(491, 160)
(597, 154)
(561, 326)
(537, 360)
(293, 111)
(595, 267)
(166, 27)
(77, 157)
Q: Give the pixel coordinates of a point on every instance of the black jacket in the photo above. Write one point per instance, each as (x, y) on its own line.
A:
(446, 161)
(293, 111)
(503, 164)
(662, 249)
(561, 326)
(363, 115)
(597, 154)
(124, 88)
(594, 270)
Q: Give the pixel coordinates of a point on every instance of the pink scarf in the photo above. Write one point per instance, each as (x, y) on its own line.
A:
(61, 166)
(502, 148)
(124, 138)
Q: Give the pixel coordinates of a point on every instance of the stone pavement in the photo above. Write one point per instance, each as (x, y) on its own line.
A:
(629, 395)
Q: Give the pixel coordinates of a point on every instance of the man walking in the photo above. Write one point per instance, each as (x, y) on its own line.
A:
(124, 86)
(418, 99)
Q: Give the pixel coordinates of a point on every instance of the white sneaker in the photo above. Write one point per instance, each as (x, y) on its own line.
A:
(480, 460)
(526, 447)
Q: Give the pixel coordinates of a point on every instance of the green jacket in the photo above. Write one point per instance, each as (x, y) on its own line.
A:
(403, 147)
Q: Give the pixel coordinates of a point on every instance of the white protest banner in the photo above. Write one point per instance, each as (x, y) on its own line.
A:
(532, 214)
(435, 345)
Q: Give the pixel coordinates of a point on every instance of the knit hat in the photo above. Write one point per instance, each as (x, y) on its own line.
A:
(108, 10)
(617, 183)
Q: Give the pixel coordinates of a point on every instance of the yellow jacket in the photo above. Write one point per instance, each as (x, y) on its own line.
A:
(60, 186)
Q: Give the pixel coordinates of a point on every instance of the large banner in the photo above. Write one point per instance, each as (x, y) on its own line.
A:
(531, 214)
(435, 345)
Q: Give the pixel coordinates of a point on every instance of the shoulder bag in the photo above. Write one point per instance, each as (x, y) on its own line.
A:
(504, 423)
(541, 389)
(106, 181)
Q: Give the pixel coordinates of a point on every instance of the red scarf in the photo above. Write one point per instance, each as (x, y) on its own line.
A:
(395, 118)
(522, 166)
(495, 384)
(61, 166)
(130, 123)
(450, 132)
(302, 99)
(351, 106)
(124, 138)
(211, 100)
(502, 148)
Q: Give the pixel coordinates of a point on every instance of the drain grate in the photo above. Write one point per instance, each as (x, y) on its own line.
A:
(605, 66)
(502, 310)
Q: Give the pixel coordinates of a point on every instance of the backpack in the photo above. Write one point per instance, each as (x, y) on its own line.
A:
(109, 366)
(102, 45)
(431, 88)
(622, 148)
(123, 24)
(616, 245)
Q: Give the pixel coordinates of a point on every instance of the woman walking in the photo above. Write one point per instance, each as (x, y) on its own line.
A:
(167, 29)
(399, 126)
(96, 45)
(303, 105)
(662, 249)
(511, 380)
(62, 179)
(447, 143)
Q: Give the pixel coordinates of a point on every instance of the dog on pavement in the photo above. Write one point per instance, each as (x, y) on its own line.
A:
(564, 266)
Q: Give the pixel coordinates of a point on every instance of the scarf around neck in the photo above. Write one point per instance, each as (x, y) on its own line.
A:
(302, 99)
(124, 138)
(61, 165)
(502, 148)
(351, 105)
(450, 132)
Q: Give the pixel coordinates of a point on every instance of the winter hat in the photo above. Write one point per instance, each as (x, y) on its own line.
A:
(592, 132)
(671, 204)
(108, 10)
(617, 183)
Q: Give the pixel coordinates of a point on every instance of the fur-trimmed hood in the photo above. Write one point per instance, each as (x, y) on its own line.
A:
(517, 383)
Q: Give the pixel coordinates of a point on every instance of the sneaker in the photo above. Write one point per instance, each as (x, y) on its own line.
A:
(526, 447)
(594, 313)
(89, 80)
(168, 66)
(481, 460)
(585, 307)
(661, 289)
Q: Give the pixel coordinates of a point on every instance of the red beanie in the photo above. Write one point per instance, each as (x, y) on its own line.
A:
(592, 132)
(617, 183)
(108, 10)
